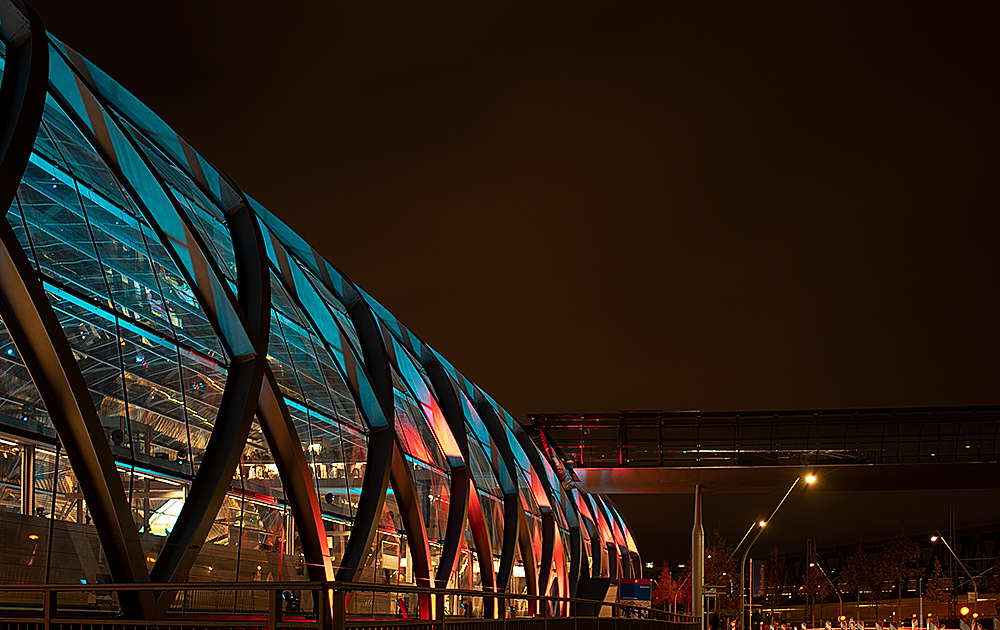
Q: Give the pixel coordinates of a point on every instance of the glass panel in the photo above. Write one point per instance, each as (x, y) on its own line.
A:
(493, 513)
(21, 231)
(156, 405)
(311, 382)
(76, 152)
(482, 473)
(95, 343)
(144, 273)
(434, 494)
(202, 382)
(215, 234)
(280, 360)
(319, 383)
(335, 307)
(57, 521)
(156, 504)
(20, 404)
(60, 233)
(135, 289)
(218, 556)
(416, 436)
(283, 303)
(330, 467)
(355, 446)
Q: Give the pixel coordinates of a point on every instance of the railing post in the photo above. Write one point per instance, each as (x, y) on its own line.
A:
(274, 608)
(324, 609)
(334, 605)
(49, 600)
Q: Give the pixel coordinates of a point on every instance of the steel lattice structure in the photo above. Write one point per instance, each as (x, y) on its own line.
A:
(191, 392)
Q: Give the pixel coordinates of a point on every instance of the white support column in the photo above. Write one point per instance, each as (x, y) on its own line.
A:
(698, 560)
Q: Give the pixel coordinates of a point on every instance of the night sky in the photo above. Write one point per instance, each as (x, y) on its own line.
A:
(619, 205)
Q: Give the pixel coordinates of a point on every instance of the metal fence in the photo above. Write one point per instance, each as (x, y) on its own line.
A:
(331, 606)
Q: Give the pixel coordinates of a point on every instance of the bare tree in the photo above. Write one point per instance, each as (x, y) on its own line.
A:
(776, 579)
(899, 565)
(815, 586)
(663, 593)
(721, 570)
(939, 587)
(858, 574)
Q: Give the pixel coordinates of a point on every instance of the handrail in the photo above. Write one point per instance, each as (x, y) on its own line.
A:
(275, 589)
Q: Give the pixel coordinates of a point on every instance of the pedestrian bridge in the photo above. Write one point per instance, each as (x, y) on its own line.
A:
(656, 452)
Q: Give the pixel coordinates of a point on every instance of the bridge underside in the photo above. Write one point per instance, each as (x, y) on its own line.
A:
(765, 479)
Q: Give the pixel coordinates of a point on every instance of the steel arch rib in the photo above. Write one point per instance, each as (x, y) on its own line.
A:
(375, 483)
(385, 453)
(254, 296)
(276, 423)
(381, 433)
(443, 378)
(443, 384)
(514, 520)
(243, 382)
(458, 506)
(296, 478)
(37, 333)
(451, 408)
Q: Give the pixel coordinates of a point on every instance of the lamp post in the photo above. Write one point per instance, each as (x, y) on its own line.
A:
(975, 590)
(920, 594)
(809, 479)
(835, 589)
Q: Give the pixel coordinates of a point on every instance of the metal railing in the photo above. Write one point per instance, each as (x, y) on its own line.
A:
(336, 606)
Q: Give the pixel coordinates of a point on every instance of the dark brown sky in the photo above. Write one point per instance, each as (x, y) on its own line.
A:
(612, 205)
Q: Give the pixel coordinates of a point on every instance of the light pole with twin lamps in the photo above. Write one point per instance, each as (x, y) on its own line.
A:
(809, 479)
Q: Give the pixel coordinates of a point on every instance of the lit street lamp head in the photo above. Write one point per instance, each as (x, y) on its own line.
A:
(762, 523)
(810, 478)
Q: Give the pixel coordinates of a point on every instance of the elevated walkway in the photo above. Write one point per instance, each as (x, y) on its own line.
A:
(854, 449)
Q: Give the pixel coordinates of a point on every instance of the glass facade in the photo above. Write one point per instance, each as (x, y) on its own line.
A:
(145, 267)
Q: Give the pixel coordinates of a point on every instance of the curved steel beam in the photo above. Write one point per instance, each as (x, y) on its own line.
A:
(36, 331)
(380, 421)
(22, 93)
(454, 414)
(513, 515)
(549, 533)
(413, 525)
(296, 478)
(450, 445)
(128, 162)
(599, 543)
(481, 538)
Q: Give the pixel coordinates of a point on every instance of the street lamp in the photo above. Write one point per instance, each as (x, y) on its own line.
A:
(975, 590)
(809, 479)
(835, 589)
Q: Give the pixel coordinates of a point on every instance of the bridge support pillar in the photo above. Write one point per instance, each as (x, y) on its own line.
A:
(698, 560)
